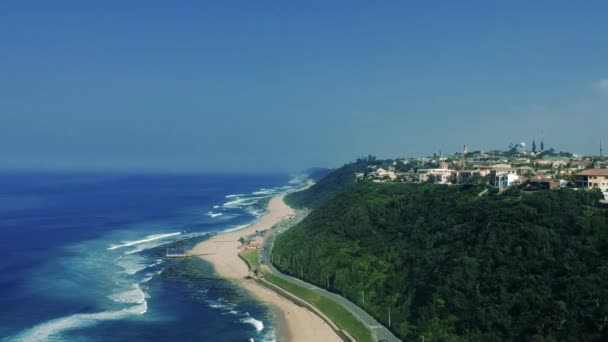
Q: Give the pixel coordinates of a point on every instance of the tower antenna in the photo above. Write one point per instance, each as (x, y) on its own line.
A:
(542, 141)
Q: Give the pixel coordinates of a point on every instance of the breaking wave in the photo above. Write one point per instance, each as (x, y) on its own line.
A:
(53, 328)
(146, 239)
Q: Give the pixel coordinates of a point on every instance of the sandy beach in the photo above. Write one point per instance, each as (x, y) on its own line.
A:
(222, 252)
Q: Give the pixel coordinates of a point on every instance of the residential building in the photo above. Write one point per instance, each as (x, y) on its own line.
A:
(466, 176)
(441, 176)
(498, 172)
(522, 170)
(583, 164)
(593, 179)
(503, 180)
(382, 173)
(544, 184)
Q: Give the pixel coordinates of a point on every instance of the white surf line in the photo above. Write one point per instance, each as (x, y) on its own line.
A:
(148, 239)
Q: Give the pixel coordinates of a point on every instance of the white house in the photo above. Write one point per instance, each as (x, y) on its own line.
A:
(382, 173)
(503, 179)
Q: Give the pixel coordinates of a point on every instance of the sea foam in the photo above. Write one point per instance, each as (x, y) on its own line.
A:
(53, 328)
(259, 325)
(146, 239)
(133, 264)
(133, 296)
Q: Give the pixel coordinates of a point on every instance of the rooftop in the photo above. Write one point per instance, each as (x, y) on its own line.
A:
(594, 172)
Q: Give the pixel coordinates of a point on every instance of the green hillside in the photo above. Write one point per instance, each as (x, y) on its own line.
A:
(453, 266)
(327, 186)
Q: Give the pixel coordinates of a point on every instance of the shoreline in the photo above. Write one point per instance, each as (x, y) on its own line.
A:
(292, 322)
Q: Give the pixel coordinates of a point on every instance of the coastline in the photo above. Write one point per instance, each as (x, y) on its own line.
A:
(294, 323)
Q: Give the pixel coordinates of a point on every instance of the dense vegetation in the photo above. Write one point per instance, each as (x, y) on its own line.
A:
(316, 173)
(327, 186)
(454, 266)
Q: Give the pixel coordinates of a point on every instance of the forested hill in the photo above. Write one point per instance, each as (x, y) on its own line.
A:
(327, 186)
(453, 266)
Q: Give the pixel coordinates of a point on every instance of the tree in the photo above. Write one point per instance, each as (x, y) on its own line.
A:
(534, 146)
(454, 266)
(542, 146)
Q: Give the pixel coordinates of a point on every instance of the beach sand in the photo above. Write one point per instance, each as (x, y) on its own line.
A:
(222, 252)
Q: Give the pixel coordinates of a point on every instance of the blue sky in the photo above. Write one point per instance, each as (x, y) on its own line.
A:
(269, 85)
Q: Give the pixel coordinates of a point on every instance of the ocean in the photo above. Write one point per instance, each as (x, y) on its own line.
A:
(82, 256)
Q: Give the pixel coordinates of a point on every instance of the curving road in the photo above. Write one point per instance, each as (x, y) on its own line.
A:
(378, 330)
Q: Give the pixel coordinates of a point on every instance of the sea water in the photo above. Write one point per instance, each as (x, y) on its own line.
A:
(82, 256)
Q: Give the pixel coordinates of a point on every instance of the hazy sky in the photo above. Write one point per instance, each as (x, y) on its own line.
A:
(268, 85)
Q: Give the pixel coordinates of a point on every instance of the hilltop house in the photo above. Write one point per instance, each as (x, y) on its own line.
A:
(523, 170)
(544, 184)
(593, 179)
(466, 176)
(502, 175)
(385, 174)
(441, 176)
(583, 164)
(503, 179)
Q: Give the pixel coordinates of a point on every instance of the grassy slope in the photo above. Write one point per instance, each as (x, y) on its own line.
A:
(331, 309)
(336, 312)
(252, 258)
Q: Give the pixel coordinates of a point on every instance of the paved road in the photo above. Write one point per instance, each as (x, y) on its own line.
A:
(377, 329)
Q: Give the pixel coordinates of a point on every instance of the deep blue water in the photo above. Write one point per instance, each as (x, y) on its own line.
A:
(82, 256)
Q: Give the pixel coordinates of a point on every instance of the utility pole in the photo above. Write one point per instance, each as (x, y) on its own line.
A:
(363, 297)
(389, 317)
(301, 272)
(327, 278)
(601, 150)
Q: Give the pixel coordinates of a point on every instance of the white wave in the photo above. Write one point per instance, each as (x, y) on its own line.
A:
(53, 328)
(235, 228)
(134, 296)
(212, 214)
(234, 195)
(134, 264)
(146, 239)
(259, 325)
(264, 192)
(149, 276)
(146, 246)
(222, 305)
(255, 212)
(216, 206)
(235, 202)
(240, 202)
